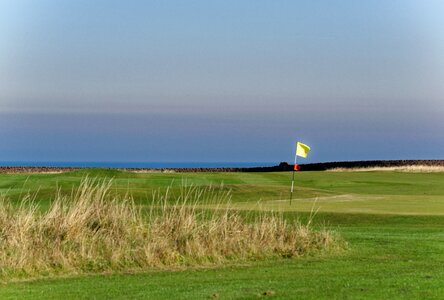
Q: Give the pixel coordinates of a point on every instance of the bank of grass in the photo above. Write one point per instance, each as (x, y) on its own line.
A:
(92, 231)
(389, 257)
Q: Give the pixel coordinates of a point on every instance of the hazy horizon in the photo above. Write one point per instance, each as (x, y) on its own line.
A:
(221, 80)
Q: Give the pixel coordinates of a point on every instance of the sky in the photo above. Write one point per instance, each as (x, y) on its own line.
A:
(204, 81)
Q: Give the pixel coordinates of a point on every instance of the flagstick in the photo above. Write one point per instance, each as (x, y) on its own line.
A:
(292, 180)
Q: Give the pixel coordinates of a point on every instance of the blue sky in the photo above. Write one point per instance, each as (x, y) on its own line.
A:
(221, 80)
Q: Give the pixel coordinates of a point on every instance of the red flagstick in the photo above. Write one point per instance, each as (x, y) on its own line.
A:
(296, 168)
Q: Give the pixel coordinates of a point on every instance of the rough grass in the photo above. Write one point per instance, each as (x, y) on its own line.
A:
(413, 169)
(92, 230)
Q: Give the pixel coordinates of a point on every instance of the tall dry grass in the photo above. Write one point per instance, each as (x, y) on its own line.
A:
(93, 231)
(412, 169)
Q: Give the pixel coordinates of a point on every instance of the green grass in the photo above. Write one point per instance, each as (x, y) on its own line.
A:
(393, 222)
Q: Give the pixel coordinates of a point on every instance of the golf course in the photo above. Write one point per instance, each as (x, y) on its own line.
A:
(391, 224)
(221, 150)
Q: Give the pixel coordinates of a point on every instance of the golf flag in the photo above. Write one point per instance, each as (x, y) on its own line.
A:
(302, 149)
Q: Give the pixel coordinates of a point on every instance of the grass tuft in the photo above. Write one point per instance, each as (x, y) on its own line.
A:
(93, 231)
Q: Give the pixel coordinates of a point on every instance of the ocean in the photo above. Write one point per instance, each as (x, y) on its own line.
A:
(148, 165)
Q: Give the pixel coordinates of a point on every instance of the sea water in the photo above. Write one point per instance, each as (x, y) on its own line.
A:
(148, 165)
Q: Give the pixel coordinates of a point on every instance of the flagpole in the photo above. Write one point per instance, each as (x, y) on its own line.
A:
(292, 180)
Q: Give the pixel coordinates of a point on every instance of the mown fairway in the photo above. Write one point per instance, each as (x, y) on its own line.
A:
(393, 222)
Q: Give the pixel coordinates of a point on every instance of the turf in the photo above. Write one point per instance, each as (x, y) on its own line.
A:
(392, 221)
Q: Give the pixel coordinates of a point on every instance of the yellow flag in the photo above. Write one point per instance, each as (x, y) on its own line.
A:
(302, 149)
